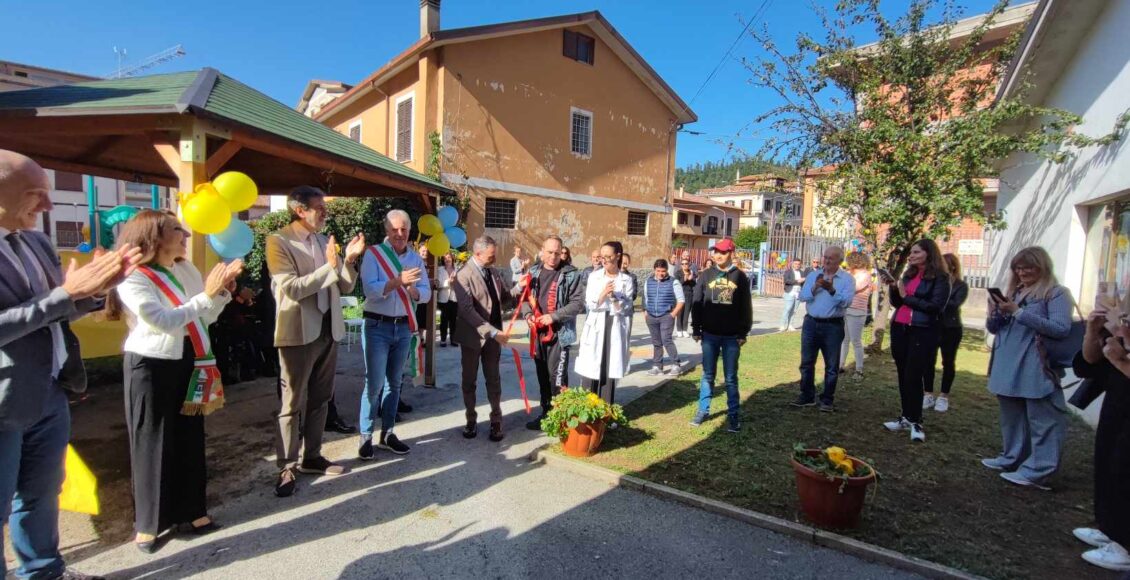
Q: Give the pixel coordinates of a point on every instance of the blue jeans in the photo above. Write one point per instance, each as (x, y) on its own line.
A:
(386, 350)
(790, 308)
(820, 337)
(31, 475)
(712, 345)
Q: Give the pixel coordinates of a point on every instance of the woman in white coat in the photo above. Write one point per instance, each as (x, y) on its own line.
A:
(603, 353)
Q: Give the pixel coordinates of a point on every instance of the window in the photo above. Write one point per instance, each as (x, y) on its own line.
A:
(768, 207)
(68, 234)
(747, 207)
(682, 219)
(777, 207)
(730, 203)
(581, 134)
(697, 221)
(637, 223)
(579, 47)
(501, 213)
(139, 188)
(729, 226)
(67, 181)
(711, 225)
(355, 130)
(21, 73)
(403, 128)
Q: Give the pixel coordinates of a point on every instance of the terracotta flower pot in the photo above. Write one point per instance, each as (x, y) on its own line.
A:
(821, 499)
(584, 439)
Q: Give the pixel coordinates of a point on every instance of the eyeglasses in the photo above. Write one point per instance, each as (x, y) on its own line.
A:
(1026, 268)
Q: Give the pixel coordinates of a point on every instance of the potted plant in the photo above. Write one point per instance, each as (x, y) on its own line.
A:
(578, 418)
(831, 485)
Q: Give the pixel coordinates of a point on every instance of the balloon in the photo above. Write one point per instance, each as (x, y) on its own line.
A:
(449, 216)
(86, 233)
(430, 225)
(439, 245)
(233, 242)
(237, 189)
(207, 213)
(84, 247)
(456, 236)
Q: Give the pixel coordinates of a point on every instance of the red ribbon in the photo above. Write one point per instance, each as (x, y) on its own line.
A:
(514, 351)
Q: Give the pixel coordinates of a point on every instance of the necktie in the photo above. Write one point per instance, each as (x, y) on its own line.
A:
(495, 307)
(319, 259)
(38, 284)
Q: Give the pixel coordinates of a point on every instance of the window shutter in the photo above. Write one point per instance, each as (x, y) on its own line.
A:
(404, 130)
(569, 48)
(586, 46)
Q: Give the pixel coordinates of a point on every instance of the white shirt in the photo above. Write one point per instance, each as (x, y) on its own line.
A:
(319, 255)
(57, 343)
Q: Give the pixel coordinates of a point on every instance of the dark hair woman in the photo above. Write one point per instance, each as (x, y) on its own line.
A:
(952, 333)
(687, 276)
(171, 380)
(916, 330)
(445, 298)
(602, 356)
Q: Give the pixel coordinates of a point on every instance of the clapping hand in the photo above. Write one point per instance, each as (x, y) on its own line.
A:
(222, 277)
(331, 252)
(410, 276)
(105, 271)
(355, 248)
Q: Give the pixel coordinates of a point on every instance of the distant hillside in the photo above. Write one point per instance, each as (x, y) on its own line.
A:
(711, 174)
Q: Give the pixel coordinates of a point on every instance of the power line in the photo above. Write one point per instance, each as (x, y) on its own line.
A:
(741, 35)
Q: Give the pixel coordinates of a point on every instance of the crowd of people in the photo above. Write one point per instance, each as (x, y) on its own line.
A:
(172, 378)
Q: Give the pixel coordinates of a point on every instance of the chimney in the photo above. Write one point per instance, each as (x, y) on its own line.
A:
(429, 17)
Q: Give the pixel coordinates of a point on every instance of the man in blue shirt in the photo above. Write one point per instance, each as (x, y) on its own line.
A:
(826, 293)
(395, 280)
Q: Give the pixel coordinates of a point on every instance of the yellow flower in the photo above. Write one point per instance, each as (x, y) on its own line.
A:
(835, 454)
(846, 466)
(593, 399)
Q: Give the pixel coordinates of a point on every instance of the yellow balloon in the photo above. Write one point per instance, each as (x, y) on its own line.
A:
(438, 245)
(207, 213)
(430, 225)
(237, 189)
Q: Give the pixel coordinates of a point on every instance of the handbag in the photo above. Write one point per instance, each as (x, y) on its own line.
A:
(1058, 354)
(1088, 391)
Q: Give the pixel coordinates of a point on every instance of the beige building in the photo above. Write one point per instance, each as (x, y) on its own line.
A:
(554, 126)
(764, 200)
(699, 221)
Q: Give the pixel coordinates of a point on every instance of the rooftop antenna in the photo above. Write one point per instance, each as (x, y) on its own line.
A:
(160, 58)
(121, 52)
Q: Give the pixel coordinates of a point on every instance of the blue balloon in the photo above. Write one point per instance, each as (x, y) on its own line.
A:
(234, 242)
(456, 236)
(84, 247)
(448, 216)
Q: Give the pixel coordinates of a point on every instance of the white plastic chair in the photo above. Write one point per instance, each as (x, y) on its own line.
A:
(352, 325)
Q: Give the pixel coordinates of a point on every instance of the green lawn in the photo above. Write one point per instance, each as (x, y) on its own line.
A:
(934, 500)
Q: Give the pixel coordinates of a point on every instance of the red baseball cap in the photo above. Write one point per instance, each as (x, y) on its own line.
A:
(726, 245)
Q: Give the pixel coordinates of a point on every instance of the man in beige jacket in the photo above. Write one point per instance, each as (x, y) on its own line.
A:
(308, 279)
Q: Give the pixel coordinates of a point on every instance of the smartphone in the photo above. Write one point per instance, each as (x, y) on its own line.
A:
(884, 275)
(997, 294)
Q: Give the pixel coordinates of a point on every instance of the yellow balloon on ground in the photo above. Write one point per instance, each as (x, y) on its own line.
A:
(80, 488)
(237, 189)
(430, 225)
(207, 213)
(439, 244)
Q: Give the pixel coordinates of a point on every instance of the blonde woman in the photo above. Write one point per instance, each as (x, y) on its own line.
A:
(1033, 412)
(855, 317)
(171, 379)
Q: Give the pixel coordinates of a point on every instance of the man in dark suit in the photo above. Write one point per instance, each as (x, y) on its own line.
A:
(482, 296)
(39, 360)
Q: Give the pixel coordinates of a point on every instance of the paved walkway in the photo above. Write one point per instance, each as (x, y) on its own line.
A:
(454, 508)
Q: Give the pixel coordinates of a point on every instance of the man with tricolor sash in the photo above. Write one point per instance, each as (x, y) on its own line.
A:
(556, 299)
(308, 278)
(395, 281)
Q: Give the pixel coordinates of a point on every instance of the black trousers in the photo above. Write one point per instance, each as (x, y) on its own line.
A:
(604, 386)
(684, 316)
(1112, 463)
(166, 448)
(448, 319)
(552, 364)
(948, 344)
(913, 349)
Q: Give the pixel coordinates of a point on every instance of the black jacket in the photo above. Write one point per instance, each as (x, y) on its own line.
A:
(951, 316)
(790, 282)
(928, 301)
(722, 304)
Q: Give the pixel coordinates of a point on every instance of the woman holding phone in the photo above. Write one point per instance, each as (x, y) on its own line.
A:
(1034, 308)
(920, 297)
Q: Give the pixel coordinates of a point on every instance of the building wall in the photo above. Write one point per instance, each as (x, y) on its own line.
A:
(1060, 207)
(378, 122)
(506, 118)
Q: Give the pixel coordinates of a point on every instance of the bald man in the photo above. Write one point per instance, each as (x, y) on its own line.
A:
(40, 359)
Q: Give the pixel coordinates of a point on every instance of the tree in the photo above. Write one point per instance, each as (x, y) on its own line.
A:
(750, 237)
(711, 174)
(909, 123)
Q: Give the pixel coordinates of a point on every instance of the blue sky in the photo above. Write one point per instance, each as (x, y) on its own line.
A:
(277, 46)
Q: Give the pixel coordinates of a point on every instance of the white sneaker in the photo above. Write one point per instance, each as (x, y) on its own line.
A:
(927, 401)
(917, 434)
(782, 328)
(942, 404)
(1111, 556)
(1091, 537)
(900, 425)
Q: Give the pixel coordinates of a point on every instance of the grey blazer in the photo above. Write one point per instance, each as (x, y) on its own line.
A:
(25, 337)
(1015, 369)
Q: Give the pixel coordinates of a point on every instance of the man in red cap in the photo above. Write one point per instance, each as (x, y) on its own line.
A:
(722, 316)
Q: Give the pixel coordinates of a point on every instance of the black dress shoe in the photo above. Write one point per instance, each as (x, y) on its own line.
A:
(205, 529)
(339, 426)
(496, 432)
(535, 425)
(471, 430)
(402, 407)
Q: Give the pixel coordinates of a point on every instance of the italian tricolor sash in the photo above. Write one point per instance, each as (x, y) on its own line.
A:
(205, 390)
(391, 266)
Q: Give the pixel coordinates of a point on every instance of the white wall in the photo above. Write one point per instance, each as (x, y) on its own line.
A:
(1051, 204)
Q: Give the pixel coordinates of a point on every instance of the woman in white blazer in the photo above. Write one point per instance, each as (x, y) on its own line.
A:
(171, 380)
(602, 356)
(445, 298)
